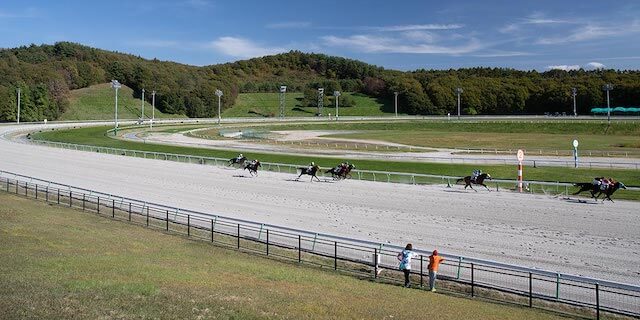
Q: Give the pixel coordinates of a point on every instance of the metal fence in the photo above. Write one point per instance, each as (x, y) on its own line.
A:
(547, 187)
(476, 277)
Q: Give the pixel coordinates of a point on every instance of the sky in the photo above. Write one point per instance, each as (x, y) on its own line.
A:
(402, 35)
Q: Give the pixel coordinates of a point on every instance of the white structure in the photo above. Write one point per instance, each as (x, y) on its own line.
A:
(320, 101)
(116, 85)
(153, 108)
(283, 90)
(18, 117)
(574, 93)
(608, 87)
(459, 91)
(219, 94)
(395, 99)
(336, 94)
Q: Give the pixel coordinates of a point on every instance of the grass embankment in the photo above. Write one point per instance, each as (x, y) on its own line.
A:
(96, 136)
(268, 105)
(61, 263)
(97, 103)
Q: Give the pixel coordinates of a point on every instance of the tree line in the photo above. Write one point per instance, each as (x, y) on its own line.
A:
(47, 73)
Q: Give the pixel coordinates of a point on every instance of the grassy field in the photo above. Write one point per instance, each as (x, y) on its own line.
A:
(60, 263)
(97, 103)
(268, 105)
(96, 136)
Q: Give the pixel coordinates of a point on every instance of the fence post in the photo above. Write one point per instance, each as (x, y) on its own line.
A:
(147, 217)
(267, 241)
(211, 228)
(113, 208)
(98, 206)
(530, 290)
(46, 194)
(557, 286)
(167, 218)
(129, 211)
(459, 266)
(36, 191)
(335, 255)
(299, 248)
(597, 301)
(421, 282)
(375, 263)
(472, 283)
(70, 197)
(83, 202)
(58, 196)
(238, 236)
(188, 225)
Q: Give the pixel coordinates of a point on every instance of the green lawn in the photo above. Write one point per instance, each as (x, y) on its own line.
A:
(58, 263)
(268, 105)
(98, 103)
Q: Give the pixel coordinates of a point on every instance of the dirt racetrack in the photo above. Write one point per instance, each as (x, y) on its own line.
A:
(596, 240)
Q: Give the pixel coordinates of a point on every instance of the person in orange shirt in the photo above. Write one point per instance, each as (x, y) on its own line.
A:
(434, 262)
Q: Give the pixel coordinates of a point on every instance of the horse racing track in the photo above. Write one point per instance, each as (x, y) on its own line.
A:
(588, 239)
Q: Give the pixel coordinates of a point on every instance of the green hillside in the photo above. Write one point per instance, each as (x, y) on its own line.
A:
(268, 105)
(97, 102)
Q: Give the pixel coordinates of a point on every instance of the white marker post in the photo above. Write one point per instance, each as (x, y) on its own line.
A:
(520, 157)
(575, 153)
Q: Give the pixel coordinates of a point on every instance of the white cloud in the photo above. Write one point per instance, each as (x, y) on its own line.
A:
(243, 48)
(593, 31)
(595, 65)
(27, 13)
(413, 27)
(564, 67)
(422, 36)
(289, 25)
(375, 44)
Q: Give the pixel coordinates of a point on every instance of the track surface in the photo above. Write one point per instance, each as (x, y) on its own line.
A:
(596, 240)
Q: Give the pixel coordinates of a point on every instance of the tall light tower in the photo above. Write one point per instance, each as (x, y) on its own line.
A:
(18, 117)
(336, 94)
(283, 90)
(320, 101)
(574, 93)
(395, 103)
(153, 108)
(219, 94)
(116, 85)
(459, 91)
(142, 100)
(608, 87)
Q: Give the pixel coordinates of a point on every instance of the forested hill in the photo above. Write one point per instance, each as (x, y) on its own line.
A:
(47, 73)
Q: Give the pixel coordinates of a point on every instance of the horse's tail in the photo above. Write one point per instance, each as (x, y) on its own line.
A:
(582, 184)
(461, 179)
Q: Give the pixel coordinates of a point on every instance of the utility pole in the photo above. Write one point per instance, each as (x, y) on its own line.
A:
(142, 99)
(608, 87)
(283, 90)
(458, 92)
(219, 94)
(574, 92)
(336, 94)
(18, 118)
(320, 100)
(395, 99)
(116, 85)
(153, 108)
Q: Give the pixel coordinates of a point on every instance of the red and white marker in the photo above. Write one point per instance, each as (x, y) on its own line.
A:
(520, 156)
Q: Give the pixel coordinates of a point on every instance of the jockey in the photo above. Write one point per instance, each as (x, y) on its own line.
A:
(239, 157)
(475, 174)
(597, 181)
(604, 184)
(313, 164)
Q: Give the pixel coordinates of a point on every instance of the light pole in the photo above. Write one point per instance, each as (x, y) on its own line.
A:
(336, 94)
(575, 153)
(283, 90)
(116, 85)
(142, 100)
(395, 103)
(320, 100)
(219, 94)
(608, 87)
(18, 118)
(153, 108)
(458, 92)
(574, 93)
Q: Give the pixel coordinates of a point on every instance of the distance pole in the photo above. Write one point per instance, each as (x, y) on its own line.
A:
(395, 94)
(142, 100)
(153, 108)
(519, 176)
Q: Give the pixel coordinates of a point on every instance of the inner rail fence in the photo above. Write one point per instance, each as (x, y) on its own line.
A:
(493, 280)
(555, 188)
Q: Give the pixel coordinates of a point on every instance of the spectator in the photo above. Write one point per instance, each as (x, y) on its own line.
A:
(434, 262)
(405, 263)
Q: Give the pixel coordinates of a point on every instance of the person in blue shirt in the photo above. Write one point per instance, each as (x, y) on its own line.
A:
(405, 263)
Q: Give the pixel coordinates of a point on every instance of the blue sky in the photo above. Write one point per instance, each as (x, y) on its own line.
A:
(404, 35)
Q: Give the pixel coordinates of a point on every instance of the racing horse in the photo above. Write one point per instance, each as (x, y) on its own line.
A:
(341, 172)
(479, 180)
(312, 171)
(238, 161)
(252, 167)
(596, 189)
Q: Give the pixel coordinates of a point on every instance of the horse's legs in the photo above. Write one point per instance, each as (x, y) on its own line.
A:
(484, 185)
(314, 176)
